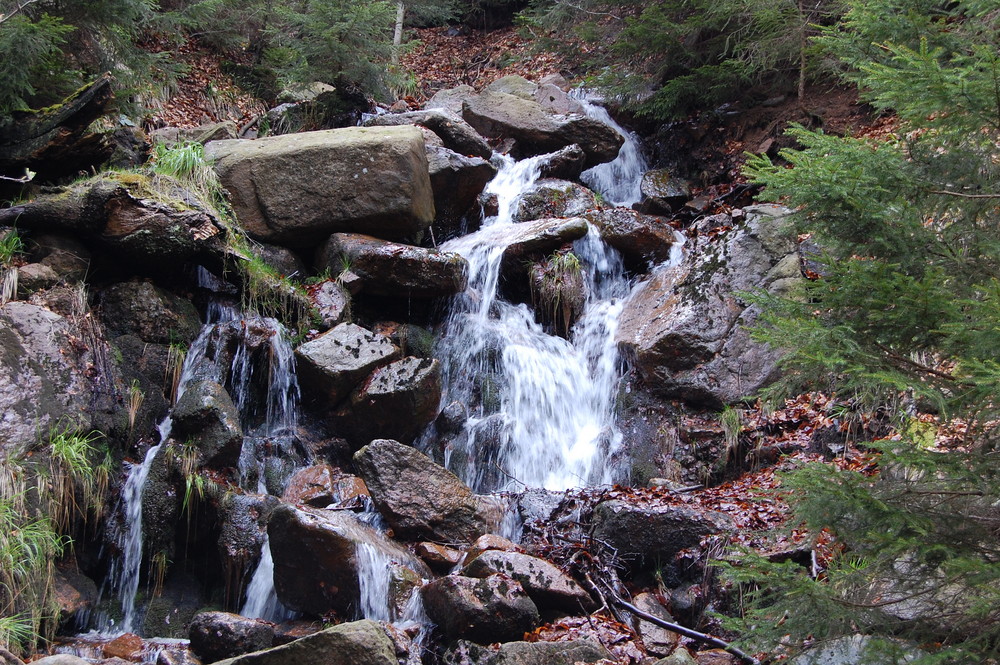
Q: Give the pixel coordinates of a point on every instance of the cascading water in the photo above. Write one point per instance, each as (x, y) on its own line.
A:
(543, 411)
(619, 180)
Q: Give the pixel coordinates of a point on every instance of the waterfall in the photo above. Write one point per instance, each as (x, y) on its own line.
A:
(542, 406)
(619, 180)
(262, 600)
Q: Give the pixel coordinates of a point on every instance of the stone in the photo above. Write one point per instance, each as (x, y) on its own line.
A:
(490, 541)
(662, 192)
(355, 643)
(34, 277)
(126, 647)
(554, 198)
(61, 659)
(451, 99)
(457, 181)
(206, 417)
(553, 98)
(242, 530)
(74, 593)
(439, 557)
(658, 640)
(544, 583)
(564, 164)
(455, 134)
(393, 269)
(177, 655)
(316, 561)
(396, 401)
(332, 302)
(644, 536)
(312, 486)
(643, 240)
(138, 307)
(173, 136)
(492, 609)
(281, 259)
(679, 657)
(296, 189)
(218, 635)
(571, 652)
(717, 657)
(44, 375)
(852, 649)
(513, 85)
(444, 509)
(536, 130)
(686, 327)
(67, 256)
(330, 366)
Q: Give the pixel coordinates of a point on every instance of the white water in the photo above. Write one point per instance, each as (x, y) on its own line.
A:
(262, 600)
(619, 180)
(543, 404)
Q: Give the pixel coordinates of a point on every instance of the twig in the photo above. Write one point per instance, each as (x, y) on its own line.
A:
(945, 192)
(18, 8)
(687, 632)
(28, 173)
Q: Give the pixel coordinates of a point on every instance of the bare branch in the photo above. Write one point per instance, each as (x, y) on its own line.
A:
(963, 195)
(20, 6)
(27, 177)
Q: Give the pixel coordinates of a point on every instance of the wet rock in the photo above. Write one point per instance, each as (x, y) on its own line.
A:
(177, 656)
(395, 270)
(332, 302)
(455, 134)
(312, 486)
(127, 647)
(206, 417)
(457, 182)
(544, 583)
(140, 308)
(662, 192)
(34, 277)
(218, 635)
(565, 164)
(397, 401)
(852, 649)
(558, 291)
(44, 375)
(59, 659)
(296, 189)
(488, 542)
(316, 560)
(572, 652)
(67, 256)
(452, 418)
(643, 240)
(440, 558)
(554, 198)
(686, 327)
(332, 364)
(170, 613)
(74, 592)
(444, 509)
(356, 643)
(542, 236)
(658, 640)
(492, 609)
(718, 657)
(535, 129)
(643, 536)
(281, 259)
(243, 524)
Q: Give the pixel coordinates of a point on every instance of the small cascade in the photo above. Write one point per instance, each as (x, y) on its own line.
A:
(619, 180)
(373, 579)
(262, 600)
(542, 409)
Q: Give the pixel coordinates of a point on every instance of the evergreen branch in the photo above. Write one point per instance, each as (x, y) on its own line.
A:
(919, 367)
(963, 195)
(18, 8)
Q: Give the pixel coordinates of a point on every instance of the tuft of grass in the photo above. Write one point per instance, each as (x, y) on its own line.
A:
(10, 246)
(71, 468)
(559, 290)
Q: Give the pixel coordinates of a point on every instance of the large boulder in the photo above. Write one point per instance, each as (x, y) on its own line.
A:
(218, 635)
(443, 509)
(487, 610)
(206, 417)
(544, 583)
(316, 558)
(572, 652)
(522, 241)
(554, 198)
(336, 361)
(140, 308)
(392, 269)
(643, 240)
(457, 181)
(662, 192)
(298, 188)
(242, 522)
(44, 375)
(396, 402)
(686, 327)
(456, 134)
(643, 535)
(356, 643)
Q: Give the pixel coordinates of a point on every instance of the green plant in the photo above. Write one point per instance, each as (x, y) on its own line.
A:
(71, 469)
(10, 246)
(558, 289)
(133, 402)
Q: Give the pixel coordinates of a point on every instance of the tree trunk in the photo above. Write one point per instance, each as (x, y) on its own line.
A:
(397, 35)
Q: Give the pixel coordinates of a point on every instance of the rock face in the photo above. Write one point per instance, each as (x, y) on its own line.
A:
(645, 535)
(686, 326)
(43, 376)
(393, 269)
(443, 509)
(397, 401)
(218, 635)
(316, 562)
(206, 416)
(643, 240)
(298, 188)
(455, 134)
(545, 584)
(550, 653)
(336, 361)
(355, 643)
(492, 609)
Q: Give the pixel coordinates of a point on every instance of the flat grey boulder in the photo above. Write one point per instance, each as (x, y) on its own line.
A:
(686, 327)
(316, 559)
(297, 188)
(643, 240)
(396, 402)
(443, 509)
(455, 133)
(662, 192)
(544, 583)
(331, 365)
(355, 643)
(393, 269)
(487, 610)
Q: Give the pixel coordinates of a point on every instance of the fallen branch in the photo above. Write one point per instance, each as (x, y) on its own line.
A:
(687, 632)
(963, 195)
(27, 177)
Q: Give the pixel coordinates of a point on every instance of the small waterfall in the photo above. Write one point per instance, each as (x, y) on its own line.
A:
(374, 568)
(262, 600)
(619, 180)
(543, 404)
